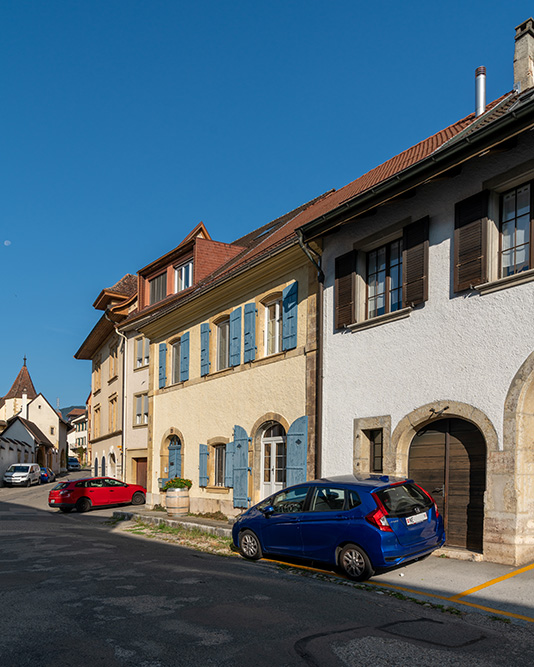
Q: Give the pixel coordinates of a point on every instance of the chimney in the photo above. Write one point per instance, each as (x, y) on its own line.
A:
(480, 90)
(24, 410)
(524, 56)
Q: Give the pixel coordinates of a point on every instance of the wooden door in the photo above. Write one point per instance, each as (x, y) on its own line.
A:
(448, 459)
(141, 471)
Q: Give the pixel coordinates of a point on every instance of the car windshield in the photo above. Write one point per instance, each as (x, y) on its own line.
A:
(18, 469)
(404, 499)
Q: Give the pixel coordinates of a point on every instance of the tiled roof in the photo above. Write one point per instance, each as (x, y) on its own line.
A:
(127, 286)
(23, 382)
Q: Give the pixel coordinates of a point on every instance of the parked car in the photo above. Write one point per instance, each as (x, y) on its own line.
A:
(47, 475)
(83, 494)
(361, 525)
(73, 464)
(22, 474)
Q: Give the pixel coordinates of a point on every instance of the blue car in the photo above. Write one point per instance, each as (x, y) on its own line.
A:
(361, 525)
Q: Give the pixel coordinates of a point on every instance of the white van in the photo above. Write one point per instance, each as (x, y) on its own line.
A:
(22, 474)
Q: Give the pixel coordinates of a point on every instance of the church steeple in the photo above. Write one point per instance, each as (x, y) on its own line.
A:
(23, 384)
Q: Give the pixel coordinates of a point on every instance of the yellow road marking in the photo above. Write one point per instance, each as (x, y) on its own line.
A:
(454, 598)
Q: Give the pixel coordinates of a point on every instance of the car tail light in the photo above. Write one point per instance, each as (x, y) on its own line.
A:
(429, 497)
(64, 493)
(378, 519)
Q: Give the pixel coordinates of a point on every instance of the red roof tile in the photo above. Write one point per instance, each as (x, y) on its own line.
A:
(23, 382)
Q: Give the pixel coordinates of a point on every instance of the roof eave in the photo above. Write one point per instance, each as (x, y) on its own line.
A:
(446, 157)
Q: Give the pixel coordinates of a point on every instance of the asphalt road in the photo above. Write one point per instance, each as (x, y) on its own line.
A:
(76, 591)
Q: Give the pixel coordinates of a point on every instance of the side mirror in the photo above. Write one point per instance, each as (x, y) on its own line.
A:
(267, 511)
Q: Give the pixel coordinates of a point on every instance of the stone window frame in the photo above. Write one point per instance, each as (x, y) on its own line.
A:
(361, 463)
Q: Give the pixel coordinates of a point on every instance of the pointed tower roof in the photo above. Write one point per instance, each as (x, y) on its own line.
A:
(23, 382)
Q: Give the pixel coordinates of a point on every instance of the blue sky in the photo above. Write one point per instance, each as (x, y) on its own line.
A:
(125, 123)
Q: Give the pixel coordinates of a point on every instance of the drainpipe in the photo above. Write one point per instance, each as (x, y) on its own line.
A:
(124, 393)
(315, 259)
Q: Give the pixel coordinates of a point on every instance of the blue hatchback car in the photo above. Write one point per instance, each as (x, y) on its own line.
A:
(361, 525)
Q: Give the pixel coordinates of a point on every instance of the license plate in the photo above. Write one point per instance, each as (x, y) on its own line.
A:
(52, 501)
(416, 518)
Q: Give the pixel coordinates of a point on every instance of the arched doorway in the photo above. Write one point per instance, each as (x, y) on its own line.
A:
(448, 458)
(274, 458)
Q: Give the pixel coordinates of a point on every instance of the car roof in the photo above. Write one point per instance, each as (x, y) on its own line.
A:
(371, 481)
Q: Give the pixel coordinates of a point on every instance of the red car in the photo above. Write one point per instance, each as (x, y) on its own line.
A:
(83, 494)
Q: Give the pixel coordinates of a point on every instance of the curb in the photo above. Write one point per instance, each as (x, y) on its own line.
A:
(220, 531)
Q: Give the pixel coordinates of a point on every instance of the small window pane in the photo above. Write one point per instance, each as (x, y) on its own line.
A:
(381, 259)
(509, 206)
(508, 229)
(507, 263)
(521, 258)
(523, 200)
(523, 230)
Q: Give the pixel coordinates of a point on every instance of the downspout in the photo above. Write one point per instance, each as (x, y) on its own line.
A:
(124, 393)
(315, 259)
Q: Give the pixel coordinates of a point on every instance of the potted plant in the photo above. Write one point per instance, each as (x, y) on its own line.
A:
(177, 496)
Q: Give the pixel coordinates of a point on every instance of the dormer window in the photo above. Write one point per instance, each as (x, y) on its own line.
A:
(158, 288)
(183, 276)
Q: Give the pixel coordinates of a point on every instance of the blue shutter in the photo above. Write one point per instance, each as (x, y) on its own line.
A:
(229, 469)
(297, 451)
(162, 364)
(250, 332)
(184, 357)
(241, 469)
(204, 349)
(203, 465)
(175, 460)
(235, 337)
(289, 316)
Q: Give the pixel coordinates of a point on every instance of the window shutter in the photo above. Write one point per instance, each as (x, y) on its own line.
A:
(204, 349)
(415, 263)
(184, 357)
(203, 465)
(470, 241)
(297, 451)
(289, 316)
(241, 469)
(229, 465)
(162, 364)
(249, 353)
(175, 460)
(344, 289)
(235, 337)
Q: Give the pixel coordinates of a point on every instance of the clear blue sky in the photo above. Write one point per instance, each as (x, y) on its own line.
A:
(125, 123)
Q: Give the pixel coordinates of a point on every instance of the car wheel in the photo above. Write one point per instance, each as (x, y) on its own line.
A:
(355, 563)
(138, 498)
(66, 510)
(83, 505)
(28, 483)
(249, 545)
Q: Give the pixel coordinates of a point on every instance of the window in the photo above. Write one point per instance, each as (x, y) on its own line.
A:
(219, 464)
(384, 279)
(141, 410)
(273, 327)
(376, 452)
(175, 377)
(52, 430)
(112, 414)
(96, 421)
(183, 277)
(97, 367)
(223, 344)
(158, 288)
(292, 500)
(142, 351)
(515, 243)
(325, 499)
(113, 361)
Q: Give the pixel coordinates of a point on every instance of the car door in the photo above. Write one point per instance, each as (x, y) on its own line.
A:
(97, 492)
(324, 524)
(280, 528)
(118, 492)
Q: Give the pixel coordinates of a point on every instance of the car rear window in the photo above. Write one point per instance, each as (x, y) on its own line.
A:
(61, 485)
(404, 499)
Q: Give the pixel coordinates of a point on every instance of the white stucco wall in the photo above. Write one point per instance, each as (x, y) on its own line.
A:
(464, 347)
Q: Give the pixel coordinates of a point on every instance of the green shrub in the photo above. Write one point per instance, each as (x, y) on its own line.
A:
(177, 483)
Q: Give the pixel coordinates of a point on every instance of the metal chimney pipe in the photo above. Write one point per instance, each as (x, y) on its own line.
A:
(480, 90)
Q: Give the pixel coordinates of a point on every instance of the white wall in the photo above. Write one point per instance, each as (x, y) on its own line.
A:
(465, 347)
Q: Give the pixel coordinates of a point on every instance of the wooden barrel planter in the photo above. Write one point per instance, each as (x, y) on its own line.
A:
(177, 502)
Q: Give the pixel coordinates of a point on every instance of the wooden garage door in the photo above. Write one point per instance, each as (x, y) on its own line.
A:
(448, 459)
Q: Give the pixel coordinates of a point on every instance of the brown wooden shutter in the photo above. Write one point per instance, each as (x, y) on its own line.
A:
(470, 241)
(344, 290)
(415, 263)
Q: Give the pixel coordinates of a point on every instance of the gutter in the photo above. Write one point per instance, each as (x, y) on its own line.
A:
(311, 255)
(449, 155)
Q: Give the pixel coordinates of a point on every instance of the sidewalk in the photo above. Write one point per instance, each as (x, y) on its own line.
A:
(504, 592)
